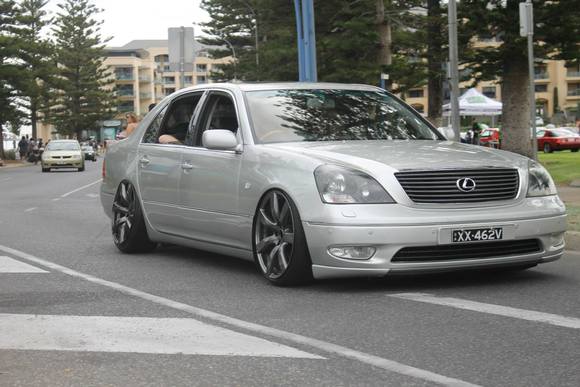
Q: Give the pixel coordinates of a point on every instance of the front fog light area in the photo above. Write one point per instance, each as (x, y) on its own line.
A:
(557, 239)
(352, 252)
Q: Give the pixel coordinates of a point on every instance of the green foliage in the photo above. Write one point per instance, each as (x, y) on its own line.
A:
(81, 92)
(11, 70)
(346, 37)
(36, 56)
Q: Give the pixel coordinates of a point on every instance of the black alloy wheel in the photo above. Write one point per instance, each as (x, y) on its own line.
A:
(280, 249)
(128, 225)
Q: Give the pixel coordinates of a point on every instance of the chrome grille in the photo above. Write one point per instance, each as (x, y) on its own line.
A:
(441, 186)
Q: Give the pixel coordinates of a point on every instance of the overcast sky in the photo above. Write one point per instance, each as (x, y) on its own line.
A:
(127, 20)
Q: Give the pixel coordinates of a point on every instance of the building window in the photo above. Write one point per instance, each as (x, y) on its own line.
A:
(201, 68)
(188, 80)
(125, 90)
(201, 79)
(416, 93)
(126, 106)
(489, 91)
(124, 73)
(168, 80)
(161, 58)
(574, 89)
(541, 88)
(169, 90)
(541, 72)
(573, 70)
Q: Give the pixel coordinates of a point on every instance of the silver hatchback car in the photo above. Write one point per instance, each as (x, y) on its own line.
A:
(315, 180)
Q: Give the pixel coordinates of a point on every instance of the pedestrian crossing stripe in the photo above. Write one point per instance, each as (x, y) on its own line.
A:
(10, 265)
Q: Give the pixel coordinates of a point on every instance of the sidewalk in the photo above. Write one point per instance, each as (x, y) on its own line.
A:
(15, 164)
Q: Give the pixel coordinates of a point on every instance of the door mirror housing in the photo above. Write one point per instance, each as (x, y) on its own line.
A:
(219, 139)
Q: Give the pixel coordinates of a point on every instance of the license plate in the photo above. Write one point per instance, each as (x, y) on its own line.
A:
(478, 234)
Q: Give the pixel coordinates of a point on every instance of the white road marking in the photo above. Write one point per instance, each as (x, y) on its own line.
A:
(30, 209)
(134, 335)
(55, 199)
(93, 195)
(506, 311)
(385, 364)
(80, 188)
(9, 265)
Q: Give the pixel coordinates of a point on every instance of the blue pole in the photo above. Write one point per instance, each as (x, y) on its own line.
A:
(309, 40)
(300, 35)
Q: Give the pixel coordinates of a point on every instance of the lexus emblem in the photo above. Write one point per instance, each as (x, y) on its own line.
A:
(465, 184)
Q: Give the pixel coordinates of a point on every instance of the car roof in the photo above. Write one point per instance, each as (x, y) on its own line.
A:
(282, 85)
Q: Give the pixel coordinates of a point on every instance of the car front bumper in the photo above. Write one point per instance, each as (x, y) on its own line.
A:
(547, 226)
(66, 163)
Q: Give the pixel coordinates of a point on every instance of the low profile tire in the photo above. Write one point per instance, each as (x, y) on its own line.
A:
(81, 169)
(280, 249)
(128, 225)
(547, 148)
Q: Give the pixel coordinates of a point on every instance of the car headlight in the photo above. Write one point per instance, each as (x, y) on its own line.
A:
(339, 185)
(540, 182)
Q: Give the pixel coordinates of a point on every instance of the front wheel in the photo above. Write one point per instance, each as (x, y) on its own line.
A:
(547, 148)
(128, 225)
(279, 243)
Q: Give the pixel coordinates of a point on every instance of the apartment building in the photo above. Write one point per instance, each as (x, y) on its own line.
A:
(557, 88)
(143, 75)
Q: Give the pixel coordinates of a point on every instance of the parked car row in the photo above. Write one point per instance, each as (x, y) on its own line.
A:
(549, 140)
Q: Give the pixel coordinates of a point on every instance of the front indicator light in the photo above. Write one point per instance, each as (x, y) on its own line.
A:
(352, 252)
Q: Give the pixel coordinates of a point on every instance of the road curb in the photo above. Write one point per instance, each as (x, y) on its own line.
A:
(573, 240)
(15, 165)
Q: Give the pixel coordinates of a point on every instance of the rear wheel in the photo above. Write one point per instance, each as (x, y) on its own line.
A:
(280, 249)
(547, 148)
(128, 226)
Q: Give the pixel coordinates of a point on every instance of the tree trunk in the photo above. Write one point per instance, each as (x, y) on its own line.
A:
(385, 39)
(2, 156)
(434, 61)
(33, 120)
(516, 109)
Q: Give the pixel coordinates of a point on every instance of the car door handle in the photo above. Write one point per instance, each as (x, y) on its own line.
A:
(144, 161)
(186, 166)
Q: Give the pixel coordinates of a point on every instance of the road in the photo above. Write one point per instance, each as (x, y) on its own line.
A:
(75, 311)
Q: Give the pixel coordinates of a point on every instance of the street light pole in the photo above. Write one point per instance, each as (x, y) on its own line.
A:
(453, 71)
(231, 46)
(530, 34)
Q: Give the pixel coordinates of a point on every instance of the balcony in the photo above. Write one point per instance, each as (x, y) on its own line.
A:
(145, 95)
(574, 93)
(144, 78)
(572, 74)
(543, 76)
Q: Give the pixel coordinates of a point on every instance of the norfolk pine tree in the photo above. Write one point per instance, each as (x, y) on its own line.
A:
(11, 70)
(82, 94)
(36, 55)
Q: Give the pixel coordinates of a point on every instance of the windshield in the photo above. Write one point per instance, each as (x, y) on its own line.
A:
(290, 115)
(87, 148)
(58, 146)
(563, 133)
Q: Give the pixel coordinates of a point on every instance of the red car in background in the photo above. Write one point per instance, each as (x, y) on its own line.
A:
(558, 139)
(490, 137)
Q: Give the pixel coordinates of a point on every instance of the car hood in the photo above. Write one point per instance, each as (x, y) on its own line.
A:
(406, 154)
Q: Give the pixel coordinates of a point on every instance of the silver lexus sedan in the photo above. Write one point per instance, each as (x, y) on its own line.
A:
(315, 180)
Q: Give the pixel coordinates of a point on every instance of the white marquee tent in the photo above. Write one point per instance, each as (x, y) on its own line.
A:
(473, 103)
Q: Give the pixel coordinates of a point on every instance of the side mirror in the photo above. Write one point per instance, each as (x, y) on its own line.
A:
(219, 139)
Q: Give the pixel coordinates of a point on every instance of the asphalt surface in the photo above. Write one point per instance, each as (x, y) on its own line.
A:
(488, 329)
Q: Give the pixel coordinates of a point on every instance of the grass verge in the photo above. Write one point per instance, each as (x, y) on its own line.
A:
(564, 166)
(573, 217)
